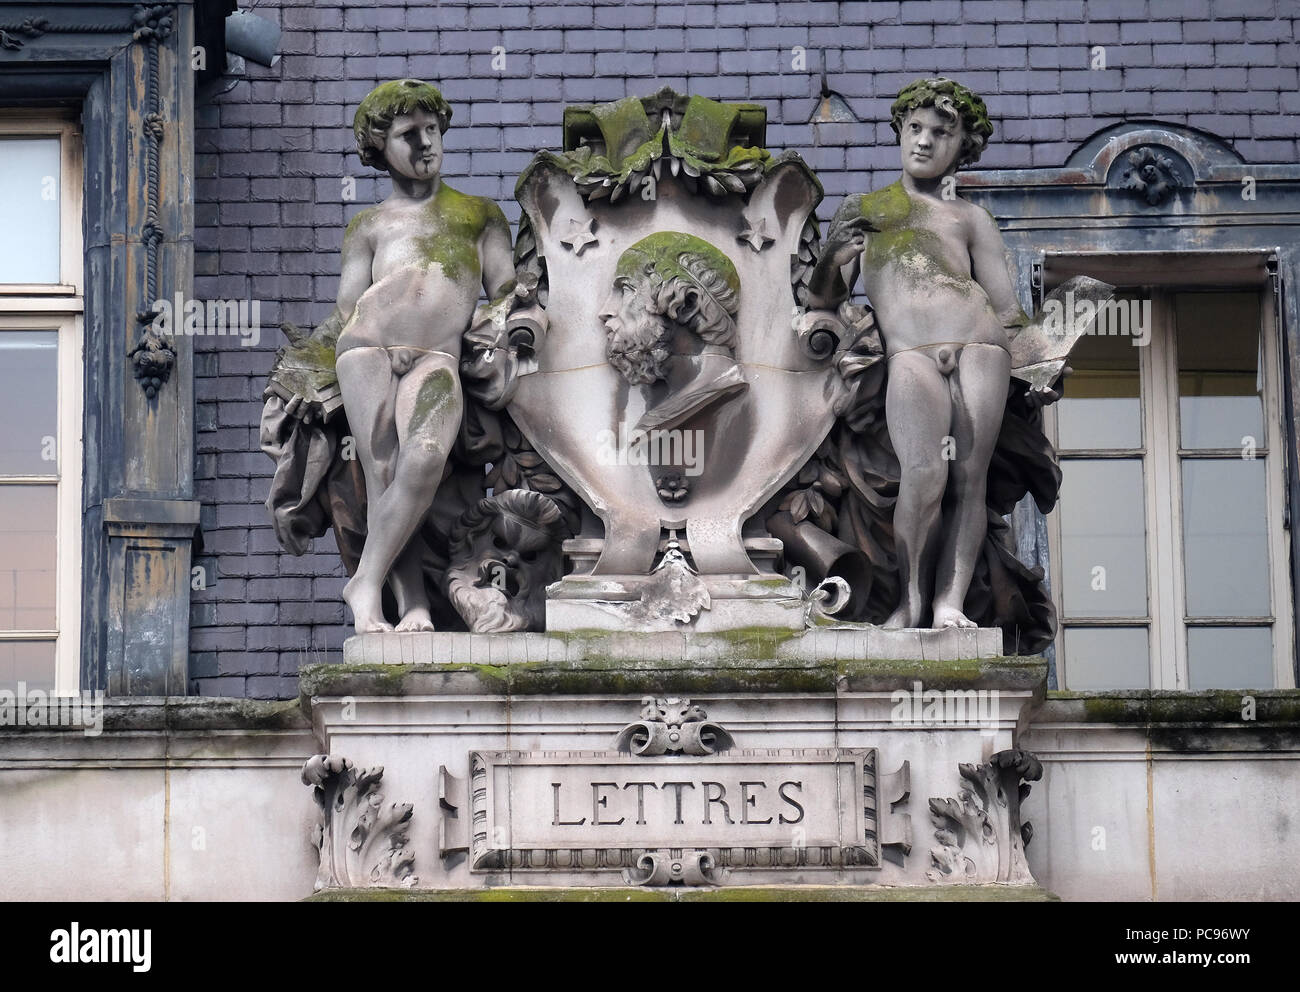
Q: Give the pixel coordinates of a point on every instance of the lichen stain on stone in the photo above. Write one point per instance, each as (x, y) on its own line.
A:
(455, 222)
(357, 221)
(904, 239)
(437, 395)
(886, 207)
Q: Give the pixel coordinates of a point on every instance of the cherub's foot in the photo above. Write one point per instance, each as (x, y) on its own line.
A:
(950, 616)
(367, 608)
(904, 616)
(416, 619)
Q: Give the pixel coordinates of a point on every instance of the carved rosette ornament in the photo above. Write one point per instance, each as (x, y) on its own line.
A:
(362, 842)
(1151, 175)
(980, 833)
(672, 726)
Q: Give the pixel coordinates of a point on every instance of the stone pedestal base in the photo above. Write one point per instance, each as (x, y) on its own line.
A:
(684, 761)
(704, 649)
(629, 603)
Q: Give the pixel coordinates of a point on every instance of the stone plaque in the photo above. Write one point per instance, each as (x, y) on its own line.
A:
(603, 810)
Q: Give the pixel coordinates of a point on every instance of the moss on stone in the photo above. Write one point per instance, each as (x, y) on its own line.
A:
(357, 221)
(497, 895)
(757, 643)
(1271, 706)
(885, 208)
(731, 893)
(437, 395)
(753, 667)
(625, 128)
(706, 127)
(869, 893)
(455, 222)
(905, 238)
(186, 713)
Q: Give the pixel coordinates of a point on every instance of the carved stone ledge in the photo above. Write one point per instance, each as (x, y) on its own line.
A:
(362, 842)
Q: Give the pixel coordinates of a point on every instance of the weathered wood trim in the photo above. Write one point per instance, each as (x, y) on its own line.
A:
(139, 514)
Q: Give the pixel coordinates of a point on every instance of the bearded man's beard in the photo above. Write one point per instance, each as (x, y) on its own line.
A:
(640, 354)
(485, 608)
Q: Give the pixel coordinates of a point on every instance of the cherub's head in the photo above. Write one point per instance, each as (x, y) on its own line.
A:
(399, 128)
(664, 282)
(941, 125)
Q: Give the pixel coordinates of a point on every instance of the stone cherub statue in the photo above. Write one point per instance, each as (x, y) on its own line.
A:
(934, 268)
(412, 270)
(387, 421)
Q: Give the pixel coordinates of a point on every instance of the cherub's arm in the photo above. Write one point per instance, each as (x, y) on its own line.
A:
(836, 270)
(989, 266)
(496, 253)
(358, 257)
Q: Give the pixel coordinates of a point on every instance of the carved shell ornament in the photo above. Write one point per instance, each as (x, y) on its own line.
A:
(1151, 175)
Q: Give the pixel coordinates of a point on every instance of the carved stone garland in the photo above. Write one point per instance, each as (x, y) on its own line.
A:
(153, 356)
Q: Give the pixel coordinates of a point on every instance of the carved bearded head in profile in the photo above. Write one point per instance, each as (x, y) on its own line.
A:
(663, 283)
(504, 551)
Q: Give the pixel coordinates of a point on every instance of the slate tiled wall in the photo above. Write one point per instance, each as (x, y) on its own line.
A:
(274, 147)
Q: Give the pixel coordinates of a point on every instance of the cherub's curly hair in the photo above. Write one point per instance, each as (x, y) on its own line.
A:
(954, 101)
(383, 105)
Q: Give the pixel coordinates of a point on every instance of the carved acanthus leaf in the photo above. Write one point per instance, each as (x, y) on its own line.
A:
(362, 842)
(980, 836)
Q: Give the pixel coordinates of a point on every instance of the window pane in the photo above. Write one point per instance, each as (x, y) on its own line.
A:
(27, 557)
(1103, 538)
(28, 402)
(27, 661)
(29, 203)
(1225, 538)
(1219, 380)
(1229, 658)
(1107, 658)
(1100, 405)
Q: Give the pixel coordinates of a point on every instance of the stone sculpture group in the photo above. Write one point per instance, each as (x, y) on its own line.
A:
(669, 414)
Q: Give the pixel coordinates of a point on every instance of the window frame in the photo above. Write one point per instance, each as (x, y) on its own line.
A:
(1162, 457)
(50, 123)
(59, 307)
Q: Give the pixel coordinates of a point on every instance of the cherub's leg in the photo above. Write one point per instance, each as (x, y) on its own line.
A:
(428, 412)
(979, 389)
(918, 408)
(408, 587)
(366, 380)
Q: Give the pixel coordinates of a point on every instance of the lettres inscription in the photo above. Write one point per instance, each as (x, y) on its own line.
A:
(600, 810)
